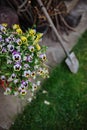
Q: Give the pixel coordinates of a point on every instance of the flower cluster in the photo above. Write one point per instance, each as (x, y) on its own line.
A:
(22, 60)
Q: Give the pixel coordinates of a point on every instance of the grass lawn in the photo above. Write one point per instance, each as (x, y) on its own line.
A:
(67, 94)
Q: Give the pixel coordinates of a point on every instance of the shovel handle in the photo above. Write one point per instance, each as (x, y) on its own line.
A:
(53, 26)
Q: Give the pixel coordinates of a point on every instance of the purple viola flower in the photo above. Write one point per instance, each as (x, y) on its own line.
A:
(4, 50)
(10, 47)
(43, 57)
(10, 39)
(1, 39)
(2, 28)
(29, 58)
(26, 66)
(17, 67)
(18, 41)
(25, 83)
(16, 56)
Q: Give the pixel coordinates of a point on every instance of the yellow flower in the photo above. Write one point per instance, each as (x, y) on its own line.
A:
(16, 26)
(32, 32)
(19, 31)
(38, 47)
(4, 24)
(35, 41)
(24, 39)
(39, 35)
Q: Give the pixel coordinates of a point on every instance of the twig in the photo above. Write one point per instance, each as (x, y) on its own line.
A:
(72, 29)
(49, 3)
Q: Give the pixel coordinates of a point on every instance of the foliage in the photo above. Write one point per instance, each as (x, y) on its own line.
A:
(61, 104)
(22, 60)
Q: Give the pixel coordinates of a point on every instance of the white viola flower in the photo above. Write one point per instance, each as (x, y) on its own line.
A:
(9, 79)
(27, 73)
(38, 83)
(44, 92)
(40, 71)
(36, 67)
(10, 47)
(13, 76)
(25, 58)
(23, 92)
(7, 91)
(17, 67)
(9, 61)
(33, 74)
(16, 81)
(29, 99)
(3, 77)
(34, 87)
(18, 48)
(16, 56)
(31, 48)
(46, 102)
(16, 93)
(36, 61)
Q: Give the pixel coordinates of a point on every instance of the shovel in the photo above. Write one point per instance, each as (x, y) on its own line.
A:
(71, 59)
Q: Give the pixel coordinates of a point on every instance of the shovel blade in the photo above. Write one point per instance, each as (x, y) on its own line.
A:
(72, 63)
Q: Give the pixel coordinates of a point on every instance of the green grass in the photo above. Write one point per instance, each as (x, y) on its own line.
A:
(67, 94)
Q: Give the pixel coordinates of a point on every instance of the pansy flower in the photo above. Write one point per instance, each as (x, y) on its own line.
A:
(19, 31)
(17, 67)
(2, 29)
(33, 74)
(3, 50)
(25, 83)
(3, 77)
(1, 39)
(43, 57)
(16, 81)
(38, 47)
(22, 90)
(12, 77)
(26, 66)
(10, 47)
(16, 56)
(27, 73)
(40, 71)
(32, 32)
(9, 61)
(34, 87)
(15, 26)
(19, 42)
(23, 39)
(29, 58)
(31, 48)
(9, 40)
(7, 91)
